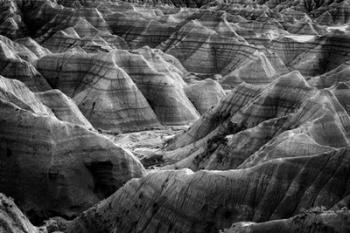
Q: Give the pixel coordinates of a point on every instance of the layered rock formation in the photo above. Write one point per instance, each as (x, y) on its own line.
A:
(141, 88)
(289, 118)
(317, 220)
(16, 62)
(103, 91)
(205, 94)
(70, 166)
(13, 220)
(206, 201)
(85, 36)
(258, 92)
(63, 107)
(161, 83)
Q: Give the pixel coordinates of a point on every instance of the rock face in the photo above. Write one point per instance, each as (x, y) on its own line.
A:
(13, 220)
(140, 95)
(258, 93)
(85, 36)
(71, 167)
(15, 62)
(288, 118)
(63, 107)
(206, 201)
(103, 91)
(328, 221)
(205, 94)
(161, 83)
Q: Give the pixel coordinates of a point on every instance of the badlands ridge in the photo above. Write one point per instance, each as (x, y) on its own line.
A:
(174, 116)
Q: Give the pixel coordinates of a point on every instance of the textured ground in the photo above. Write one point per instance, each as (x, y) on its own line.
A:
(174, 116)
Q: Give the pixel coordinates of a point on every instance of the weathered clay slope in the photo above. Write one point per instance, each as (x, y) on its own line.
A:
(289, 118)
(63, 107)
(206, 201)
(204, 94)
(161, 83)
(12, 220)
(142, 87)
(269, 137)
(86, 36)
(317, 221)
(71, 167)
(16, 62)
(227, 38)
(103, 91)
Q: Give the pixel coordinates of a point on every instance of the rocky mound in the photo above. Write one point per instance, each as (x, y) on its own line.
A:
(206, 201)
(63, 107)
(103, 91)
(205, 94)
(225, 38)
(139, 86)
(13, 220)
(317, 220)
(289, 118)
(71, 167)
(257, 91)
(161, 83)
(85, 36)
(16, 62)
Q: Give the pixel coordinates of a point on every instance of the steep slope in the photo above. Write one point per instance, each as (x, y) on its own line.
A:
(206, 201)
(63, 107)
(12, 220)
(85, 36)
(161, 83)
(140, 28)
(61, 160)
(309, 221)
(132, 82)
(15, 62)
(288, 119)
(203, 50)
(103, 91)
(264, 147)
(204, 94)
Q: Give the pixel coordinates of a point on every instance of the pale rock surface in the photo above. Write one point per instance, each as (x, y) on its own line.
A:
(12, 220)
(205, 94)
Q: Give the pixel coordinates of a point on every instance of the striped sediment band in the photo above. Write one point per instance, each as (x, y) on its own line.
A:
(70, 166)
(207, 201)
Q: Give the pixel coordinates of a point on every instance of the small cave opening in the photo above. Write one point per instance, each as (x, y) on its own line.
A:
(102, 173)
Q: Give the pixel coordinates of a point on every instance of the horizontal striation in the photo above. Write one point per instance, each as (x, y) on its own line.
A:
(55, 157)
(63, 107)
(206, 201)
(103, 91)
